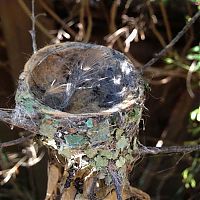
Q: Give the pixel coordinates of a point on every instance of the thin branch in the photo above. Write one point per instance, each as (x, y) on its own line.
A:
(143, 150)
(190, 35)
(152, 26)
(89, 25)
(188, 79)
(7, 176)
(163, 72)
(32, 32)
(161, 82)
(57, 18)
(38, 24)
(166, 21)
(17, 141)
(173, 42)
(112, 28)
(81, 33)
(91, 195)
(117, 182)
(5, 115)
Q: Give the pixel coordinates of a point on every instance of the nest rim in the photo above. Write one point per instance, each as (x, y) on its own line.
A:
(37, 58)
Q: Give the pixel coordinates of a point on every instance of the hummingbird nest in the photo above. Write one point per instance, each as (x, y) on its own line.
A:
(86, 101)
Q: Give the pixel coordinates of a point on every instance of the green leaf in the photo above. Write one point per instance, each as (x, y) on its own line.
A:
(195, 49)
(193, 57)
(193, 183)
(169, 61)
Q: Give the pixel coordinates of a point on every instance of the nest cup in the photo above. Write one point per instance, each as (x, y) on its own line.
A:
(83, 99)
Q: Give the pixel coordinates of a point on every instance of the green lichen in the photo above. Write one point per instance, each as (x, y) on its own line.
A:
(119, 133)
(48, 127)
(90, 153)
(122, 143)
(120, 162)
(75, 141)
(89, 123)
(135, 115)
(27, 101)
(106, 153)
(100, 162)
(100, 134)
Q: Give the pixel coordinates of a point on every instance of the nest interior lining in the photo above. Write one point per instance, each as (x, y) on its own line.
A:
(87, 80)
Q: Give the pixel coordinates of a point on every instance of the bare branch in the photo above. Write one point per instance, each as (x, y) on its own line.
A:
(143, 150)
(117, 182)
(17, 141)
(188, 79)
(8, 174)
(57, 18)
(38, 24)
(173, 42)
(32, 32)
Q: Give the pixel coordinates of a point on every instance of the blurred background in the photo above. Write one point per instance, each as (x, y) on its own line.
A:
(140, 29)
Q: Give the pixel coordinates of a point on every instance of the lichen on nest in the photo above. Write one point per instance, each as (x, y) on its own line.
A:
(84, 100)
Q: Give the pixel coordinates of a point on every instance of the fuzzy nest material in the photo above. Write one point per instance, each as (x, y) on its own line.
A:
(86, 100)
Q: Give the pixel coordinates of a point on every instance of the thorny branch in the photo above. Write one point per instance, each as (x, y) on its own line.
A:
(172, 43)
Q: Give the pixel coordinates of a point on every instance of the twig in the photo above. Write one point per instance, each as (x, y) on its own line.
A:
(143, 150)
(166, 21)
(161, 82)
(91, 195)
(111, 39)
(89, 25)
(173, 42)
(5, 115)
(32, 32)
(17, 141)
(38, 24)
(127, 5)
(152, 26)
(112, 27)
(113, 13)
(188, 79)
(163, 72)
(57, 18)
(81, 25)
(8, 174)
(190, 34)
(130, 38)
(117, 182)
